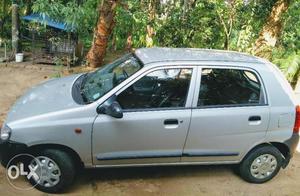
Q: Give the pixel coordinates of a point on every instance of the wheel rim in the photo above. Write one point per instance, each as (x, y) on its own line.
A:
(263, 166)
(48, 171)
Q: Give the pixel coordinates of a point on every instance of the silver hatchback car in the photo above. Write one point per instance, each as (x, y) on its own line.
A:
(154, 107)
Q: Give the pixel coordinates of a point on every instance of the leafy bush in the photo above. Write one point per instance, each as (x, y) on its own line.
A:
(80, 17)
(289, 63)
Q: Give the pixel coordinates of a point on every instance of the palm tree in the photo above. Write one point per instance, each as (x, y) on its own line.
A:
(271, 30)
(102, 32)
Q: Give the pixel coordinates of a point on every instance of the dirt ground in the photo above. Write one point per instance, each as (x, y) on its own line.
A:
(187, 180)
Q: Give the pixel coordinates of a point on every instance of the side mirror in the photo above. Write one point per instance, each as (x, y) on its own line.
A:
(111, 108)
(115, 110)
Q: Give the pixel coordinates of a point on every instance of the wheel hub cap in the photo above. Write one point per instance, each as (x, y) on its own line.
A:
(263, 166)
(49, 172)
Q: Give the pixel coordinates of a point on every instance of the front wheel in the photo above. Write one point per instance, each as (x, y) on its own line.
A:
(55, 170)
(261, 164)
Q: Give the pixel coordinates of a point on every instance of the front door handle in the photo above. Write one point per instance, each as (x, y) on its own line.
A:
(171, 122)
(254, 118)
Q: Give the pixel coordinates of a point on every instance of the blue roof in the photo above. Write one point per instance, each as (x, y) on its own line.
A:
(46, 20)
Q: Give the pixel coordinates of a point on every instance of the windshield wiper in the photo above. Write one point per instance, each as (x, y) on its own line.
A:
(85, 98)
(83, 80)
(81, 90)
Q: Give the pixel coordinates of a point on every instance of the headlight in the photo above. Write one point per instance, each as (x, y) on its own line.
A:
(5, 132)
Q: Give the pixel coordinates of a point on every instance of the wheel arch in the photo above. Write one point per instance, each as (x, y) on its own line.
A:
(283, 149)
(74, 155)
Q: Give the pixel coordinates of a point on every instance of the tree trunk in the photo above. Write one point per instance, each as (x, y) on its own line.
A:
(149, 27)
(102, 33)
(3, 16)
(188, 4)
(129, 43)
(227, 22)
(271, 31)
(15, 29)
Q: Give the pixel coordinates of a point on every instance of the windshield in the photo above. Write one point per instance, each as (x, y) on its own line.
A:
(98, 83)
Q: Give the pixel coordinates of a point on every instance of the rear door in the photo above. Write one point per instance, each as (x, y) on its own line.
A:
(230, 115)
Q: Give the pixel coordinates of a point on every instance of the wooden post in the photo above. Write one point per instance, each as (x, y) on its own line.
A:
(32, 46)
(69, 52)
(15, 29)
(5, 54)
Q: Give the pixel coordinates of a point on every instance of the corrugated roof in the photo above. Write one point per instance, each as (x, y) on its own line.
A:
(46, 20)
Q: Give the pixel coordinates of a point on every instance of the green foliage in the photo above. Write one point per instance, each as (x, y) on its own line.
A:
(291, 33)
(131, 20)
(287, 53)
(290, 65)
(58, 68)
(201, 24)
(81, 18)
(205, 25)
(197, 28)
(5, 13)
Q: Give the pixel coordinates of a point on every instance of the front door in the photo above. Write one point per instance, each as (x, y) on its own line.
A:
(156, 119)
(230, 117)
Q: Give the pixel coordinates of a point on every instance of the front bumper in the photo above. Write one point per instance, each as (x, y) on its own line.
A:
(9, 149)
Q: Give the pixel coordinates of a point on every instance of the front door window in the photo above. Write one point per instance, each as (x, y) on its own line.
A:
(165, 88)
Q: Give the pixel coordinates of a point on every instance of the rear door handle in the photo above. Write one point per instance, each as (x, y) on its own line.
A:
(254, 118)
(171, 122)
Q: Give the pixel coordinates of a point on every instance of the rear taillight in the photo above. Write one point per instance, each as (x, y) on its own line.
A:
(297, 120)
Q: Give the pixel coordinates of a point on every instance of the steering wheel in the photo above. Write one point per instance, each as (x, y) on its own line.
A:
(114, 79)
(125, 73)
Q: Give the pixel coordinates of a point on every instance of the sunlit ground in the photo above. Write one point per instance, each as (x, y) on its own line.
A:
(298, 147)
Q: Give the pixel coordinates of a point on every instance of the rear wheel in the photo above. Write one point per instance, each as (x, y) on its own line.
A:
(55, 171)
(261, 164)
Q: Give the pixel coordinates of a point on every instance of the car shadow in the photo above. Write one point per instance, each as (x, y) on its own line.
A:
(93, 177)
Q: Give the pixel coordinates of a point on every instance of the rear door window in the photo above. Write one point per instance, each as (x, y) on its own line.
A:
(229, 87)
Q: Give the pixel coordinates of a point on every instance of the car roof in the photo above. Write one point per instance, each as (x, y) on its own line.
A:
(153, 55)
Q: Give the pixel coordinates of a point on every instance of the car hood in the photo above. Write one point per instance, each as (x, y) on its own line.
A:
(51, 96)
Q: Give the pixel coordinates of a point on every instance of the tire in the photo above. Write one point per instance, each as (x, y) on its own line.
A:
(259, 165)
(66, 170)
